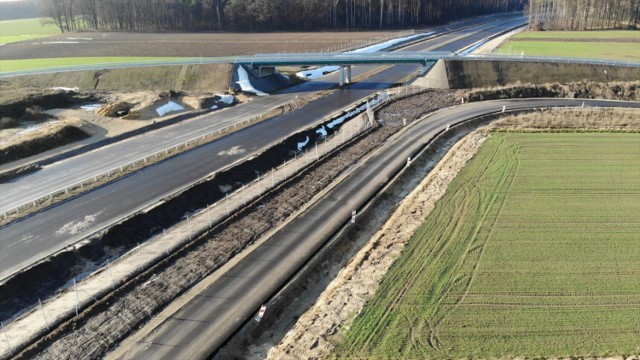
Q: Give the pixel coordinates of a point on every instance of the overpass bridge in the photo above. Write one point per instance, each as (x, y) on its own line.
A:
(268, 62)
(265, 64)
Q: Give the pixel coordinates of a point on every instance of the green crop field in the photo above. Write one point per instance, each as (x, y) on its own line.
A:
(29, 64)
(601, 35)
(533, 252)
(612, 45)
(25, 29)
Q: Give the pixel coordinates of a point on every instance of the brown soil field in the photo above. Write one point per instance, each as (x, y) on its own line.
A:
(91, 44)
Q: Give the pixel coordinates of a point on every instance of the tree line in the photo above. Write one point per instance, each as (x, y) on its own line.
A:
(583, 14)
(262, 15)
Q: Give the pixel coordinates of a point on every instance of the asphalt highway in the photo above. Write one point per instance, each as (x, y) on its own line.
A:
(31, 239)
(202, 325)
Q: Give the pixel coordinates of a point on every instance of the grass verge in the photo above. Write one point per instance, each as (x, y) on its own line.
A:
(611, 45)
(605, 34)
(531, 253)
(28, 64)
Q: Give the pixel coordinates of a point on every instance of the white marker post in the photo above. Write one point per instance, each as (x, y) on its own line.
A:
(4, 331)
(140, 249)
(189, 228)
(43, 314)
(504, 108)
(353, 216)
(75, 288)
(111, 274)
(408, 160)
(164, 236)
(260, 315)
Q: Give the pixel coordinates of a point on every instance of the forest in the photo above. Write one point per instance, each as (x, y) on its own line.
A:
(583, 14)
(262, 15)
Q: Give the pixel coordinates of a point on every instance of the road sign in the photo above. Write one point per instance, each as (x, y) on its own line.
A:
(263, 309)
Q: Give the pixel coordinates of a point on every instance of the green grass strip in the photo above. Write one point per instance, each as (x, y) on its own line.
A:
(588, 50)
(607, 34)
(30, 64)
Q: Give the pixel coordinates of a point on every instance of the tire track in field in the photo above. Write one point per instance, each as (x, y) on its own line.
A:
(416, 274)
(411, 281)
(432, 340)
(509, 175)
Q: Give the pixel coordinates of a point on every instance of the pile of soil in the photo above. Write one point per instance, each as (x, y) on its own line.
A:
(63, 136)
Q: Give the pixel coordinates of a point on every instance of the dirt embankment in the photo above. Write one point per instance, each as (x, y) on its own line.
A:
(24, 103)
(317, 331)
(473, 74)
(206, 78)
(628, 91)
(59, 137)
(571, 120)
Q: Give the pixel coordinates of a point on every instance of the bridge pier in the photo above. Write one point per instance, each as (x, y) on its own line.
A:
(345, 75)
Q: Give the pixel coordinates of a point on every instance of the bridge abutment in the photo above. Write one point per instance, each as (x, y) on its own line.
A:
(345, 74)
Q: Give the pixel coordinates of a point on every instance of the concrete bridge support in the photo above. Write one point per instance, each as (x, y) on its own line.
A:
(345, 74)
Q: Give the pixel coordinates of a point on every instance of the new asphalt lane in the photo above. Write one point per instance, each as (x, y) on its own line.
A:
(197, 329)
(26, 241)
